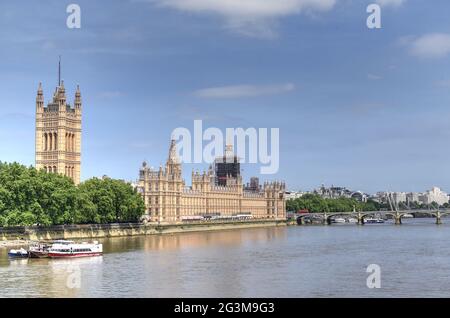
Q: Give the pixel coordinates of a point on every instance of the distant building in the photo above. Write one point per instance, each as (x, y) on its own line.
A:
(412, 197)
(399, 197)
(254, 183)
(359, 196)
(340, 192)
(427, 197)
(253, 186)
(292, 195)
(434, 195)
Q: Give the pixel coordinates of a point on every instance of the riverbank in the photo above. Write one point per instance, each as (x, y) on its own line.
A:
(16, 236)
(13, 243)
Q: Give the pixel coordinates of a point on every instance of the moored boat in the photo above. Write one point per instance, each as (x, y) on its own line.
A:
(374, 220)
(39, 250)
(21, 253)
(70, 249)
(338, 220)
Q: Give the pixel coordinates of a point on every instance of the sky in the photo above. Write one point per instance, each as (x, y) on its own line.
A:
(364, 108)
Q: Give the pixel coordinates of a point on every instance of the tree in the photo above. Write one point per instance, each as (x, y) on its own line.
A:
(29, 196)
(316, 204)
(116, 200)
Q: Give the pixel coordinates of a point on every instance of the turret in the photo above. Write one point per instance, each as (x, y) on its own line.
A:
(78, 100)
(40, 99)
(61, 97)
(173, 166)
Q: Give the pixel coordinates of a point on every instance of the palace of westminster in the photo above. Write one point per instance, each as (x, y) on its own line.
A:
(218, 193)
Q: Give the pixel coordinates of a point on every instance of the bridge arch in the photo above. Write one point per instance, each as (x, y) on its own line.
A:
(430, 213)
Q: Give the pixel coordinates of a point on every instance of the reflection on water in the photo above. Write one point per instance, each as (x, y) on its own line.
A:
(315, 261)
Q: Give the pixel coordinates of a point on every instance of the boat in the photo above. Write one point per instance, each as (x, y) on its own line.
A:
(338, 220)
(352, 220)
(408, 216)
(39, 250)
(373, 220)
(70, 249)
(21, 253)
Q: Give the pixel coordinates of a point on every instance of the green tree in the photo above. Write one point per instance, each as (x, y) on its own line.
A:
(116, 201)
(316, 204)
(28, 197)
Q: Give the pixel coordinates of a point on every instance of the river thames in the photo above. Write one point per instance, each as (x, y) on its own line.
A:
(295, 261)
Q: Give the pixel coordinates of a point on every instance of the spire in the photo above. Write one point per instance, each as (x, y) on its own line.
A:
(59, 71)
(40, 98)
(173, 156)
(40, 92)
(78, 98)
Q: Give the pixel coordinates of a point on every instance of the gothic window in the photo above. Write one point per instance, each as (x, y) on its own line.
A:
(68, 142)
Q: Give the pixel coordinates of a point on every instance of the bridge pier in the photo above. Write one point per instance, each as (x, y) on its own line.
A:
(360, 218)
(325, 220)
(360, 221)
(398, 219)
(438, 218)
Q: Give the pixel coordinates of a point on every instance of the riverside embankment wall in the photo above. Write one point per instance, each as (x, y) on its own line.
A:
(91, 231)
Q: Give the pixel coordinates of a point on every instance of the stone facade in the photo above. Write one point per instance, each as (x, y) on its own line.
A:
(58, 134)
(168, 200)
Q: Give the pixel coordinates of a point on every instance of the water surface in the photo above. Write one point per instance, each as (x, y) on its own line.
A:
(297, 261)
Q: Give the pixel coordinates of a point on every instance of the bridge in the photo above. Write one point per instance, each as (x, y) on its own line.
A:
(397, 216)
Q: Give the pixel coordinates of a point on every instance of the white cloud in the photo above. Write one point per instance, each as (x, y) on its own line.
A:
(250, 17)
(373, 77)
(390, 3)
(444, 83)
(244, 91)
(434, 45)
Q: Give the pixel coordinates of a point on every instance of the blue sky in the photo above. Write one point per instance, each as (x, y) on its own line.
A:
(367, 109)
